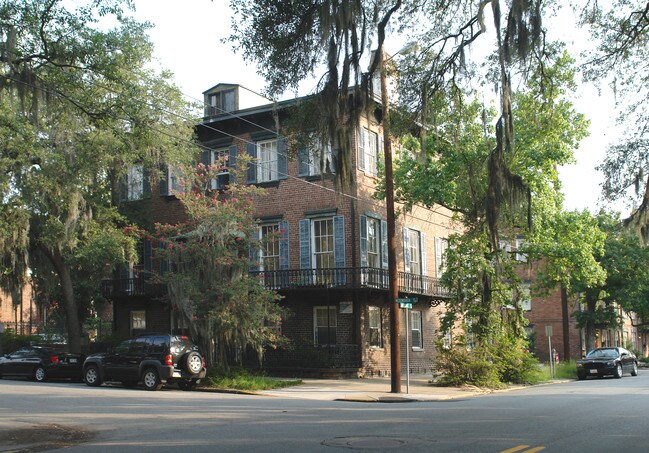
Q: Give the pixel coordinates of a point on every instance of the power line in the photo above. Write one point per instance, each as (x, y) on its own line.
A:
(206, 148)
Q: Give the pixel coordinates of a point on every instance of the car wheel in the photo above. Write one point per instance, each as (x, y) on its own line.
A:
(39, 374)
(634, 369)
(151, 379)
(91, 376)
(581, 377)
(618, 371)
(193, 362)
(187, 385)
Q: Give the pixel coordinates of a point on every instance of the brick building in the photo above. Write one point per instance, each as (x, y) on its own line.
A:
(330, 263)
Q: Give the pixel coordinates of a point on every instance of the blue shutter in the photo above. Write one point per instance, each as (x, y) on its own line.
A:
(283, 246)
(146, 182)
(339, 241)
(305, 244)
(251, 174)
(232, 156)
(424, 262)
(282, 159)
(163, 186)
(363, 244)
(206, 157)
(164, 261)
(303, 162)
(406, 251)
(384, 244)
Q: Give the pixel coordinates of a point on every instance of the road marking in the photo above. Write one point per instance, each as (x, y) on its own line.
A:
(522, 449)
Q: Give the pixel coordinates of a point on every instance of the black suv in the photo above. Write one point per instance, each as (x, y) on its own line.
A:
(153, 359)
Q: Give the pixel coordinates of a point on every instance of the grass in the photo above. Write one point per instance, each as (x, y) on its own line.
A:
(564, 370)
(240, 379)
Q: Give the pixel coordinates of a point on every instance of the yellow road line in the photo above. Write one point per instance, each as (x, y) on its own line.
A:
(515, 449)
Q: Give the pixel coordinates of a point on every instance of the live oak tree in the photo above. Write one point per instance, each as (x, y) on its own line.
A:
(77, 107)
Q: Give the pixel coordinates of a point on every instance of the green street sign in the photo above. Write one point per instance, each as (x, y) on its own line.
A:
(407, 300)
(404, 305)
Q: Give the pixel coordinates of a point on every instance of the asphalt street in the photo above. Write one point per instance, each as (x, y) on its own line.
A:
(599, 415)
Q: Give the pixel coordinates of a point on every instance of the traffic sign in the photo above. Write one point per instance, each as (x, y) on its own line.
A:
(404, 305)
(407, 300)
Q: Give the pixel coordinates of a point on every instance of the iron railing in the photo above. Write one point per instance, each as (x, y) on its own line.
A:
(335, 278)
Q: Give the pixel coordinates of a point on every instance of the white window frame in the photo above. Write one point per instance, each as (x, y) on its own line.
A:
(368, 150)
(137, 320)
(373, 243)
(414, 245)
(374, 319)
(174, 180)
(525, 296)
(416, 329)
(135, 182)
(332, 316)
(314, 161)
(441, 246)
(267, 155)
(520, 256)
(317, 242)
(268, 229)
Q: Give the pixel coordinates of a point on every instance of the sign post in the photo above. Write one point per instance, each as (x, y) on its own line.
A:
(548, 332)
(406, 302)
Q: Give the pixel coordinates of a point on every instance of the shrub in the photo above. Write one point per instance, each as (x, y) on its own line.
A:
(506, 360)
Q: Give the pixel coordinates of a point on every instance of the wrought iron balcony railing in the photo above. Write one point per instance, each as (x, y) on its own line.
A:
(343, 278)
(336, 278)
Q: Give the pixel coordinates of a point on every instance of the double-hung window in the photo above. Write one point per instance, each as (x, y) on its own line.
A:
(323, 243)
(414, 254)
(441, 245)
(270, 247)
(373, 243)
(135, 182)
(374, 318)
(221, 102)
(415, 329)
(374, 250)
(368, 147)
(324, 326)
(525, 296)
(267, 156)
(315, 159)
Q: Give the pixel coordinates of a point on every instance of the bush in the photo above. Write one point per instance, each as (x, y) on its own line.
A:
(12, 341)
(493, 365)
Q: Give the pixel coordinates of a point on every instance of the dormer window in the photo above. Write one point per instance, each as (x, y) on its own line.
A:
(221, 102)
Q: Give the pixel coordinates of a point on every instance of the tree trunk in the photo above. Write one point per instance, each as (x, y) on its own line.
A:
(566, 323)
(69, 302)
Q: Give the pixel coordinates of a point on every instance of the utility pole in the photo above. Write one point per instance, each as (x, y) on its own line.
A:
(393, 293)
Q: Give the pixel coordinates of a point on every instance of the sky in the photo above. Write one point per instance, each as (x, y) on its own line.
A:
(187, 37)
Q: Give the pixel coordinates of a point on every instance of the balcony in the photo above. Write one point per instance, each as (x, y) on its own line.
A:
(296, 279)
(139, 286)
(351, 278)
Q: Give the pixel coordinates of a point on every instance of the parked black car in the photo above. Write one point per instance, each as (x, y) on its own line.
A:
(41, 363)
(153, 359)
(607, 361)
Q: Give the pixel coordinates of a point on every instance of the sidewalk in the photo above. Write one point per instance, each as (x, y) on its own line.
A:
(373, 390)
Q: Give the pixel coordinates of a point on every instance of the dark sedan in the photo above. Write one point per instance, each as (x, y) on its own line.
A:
(607, 362)
(41, 363)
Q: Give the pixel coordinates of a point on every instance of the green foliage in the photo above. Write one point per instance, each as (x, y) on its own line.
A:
(209, 280)
(504, 361)
(241, 379)
(78, 105)
(12, 341)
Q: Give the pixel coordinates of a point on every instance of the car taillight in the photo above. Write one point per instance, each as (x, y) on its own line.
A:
(169, 360)
(54, 359)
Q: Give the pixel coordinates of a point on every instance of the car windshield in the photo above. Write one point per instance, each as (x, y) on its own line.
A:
(602, 354)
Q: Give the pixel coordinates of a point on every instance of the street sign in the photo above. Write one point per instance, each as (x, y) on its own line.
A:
(404, 305)
(407, 300)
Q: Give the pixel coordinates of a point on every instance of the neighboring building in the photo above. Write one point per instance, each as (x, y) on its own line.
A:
(330, 263)
(23, 317)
